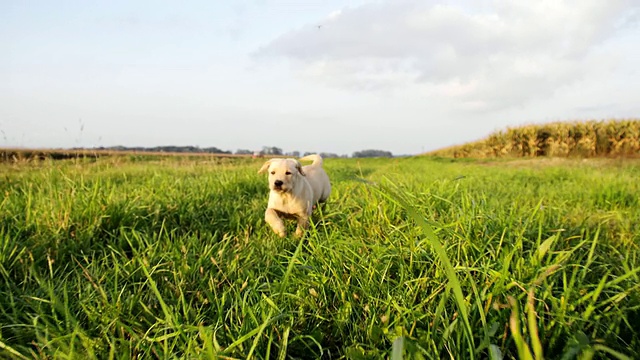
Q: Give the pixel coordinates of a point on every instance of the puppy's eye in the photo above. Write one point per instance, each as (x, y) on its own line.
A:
(273, 173)
(288, 173)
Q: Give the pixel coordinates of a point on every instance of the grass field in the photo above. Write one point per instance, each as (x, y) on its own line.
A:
(414, 257)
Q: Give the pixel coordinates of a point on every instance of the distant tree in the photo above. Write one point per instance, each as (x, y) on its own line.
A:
(215, 150)
(372, 153)
(328, 155)
(295, 154)
(266, 150)
(243, 152)
(168, 148)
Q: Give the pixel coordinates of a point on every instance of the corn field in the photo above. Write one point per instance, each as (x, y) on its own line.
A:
(610, 138)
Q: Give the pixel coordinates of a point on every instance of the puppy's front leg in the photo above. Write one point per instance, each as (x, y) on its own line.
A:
(303, 224)
(272, 218)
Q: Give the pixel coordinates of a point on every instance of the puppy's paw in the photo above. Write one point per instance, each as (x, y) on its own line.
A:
(279, 229)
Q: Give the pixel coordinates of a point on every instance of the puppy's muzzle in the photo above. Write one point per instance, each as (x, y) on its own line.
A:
(277, 184)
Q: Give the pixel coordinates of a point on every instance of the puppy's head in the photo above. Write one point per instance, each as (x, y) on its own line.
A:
(283, 173)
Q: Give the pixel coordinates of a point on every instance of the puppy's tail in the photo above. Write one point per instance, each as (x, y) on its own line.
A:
(317, 159)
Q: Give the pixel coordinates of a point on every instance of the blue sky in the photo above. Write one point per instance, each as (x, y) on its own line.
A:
(334, 76)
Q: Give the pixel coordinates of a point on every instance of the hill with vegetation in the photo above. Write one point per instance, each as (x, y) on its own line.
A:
(607, 138)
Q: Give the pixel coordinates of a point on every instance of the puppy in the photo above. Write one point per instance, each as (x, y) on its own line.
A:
(294, 191)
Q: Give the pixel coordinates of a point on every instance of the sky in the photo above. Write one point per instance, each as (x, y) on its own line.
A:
(309, 76)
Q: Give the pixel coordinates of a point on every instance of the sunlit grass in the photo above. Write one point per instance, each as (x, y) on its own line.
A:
(415, 257)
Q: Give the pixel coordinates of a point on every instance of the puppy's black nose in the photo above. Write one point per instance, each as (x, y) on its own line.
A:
(277, 183)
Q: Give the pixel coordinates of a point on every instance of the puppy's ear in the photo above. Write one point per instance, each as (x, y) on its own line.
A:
(299, 168)
(265, 166)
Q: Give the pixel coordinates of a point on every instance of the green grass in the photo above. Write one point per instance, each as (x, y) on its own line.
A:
(414, 258)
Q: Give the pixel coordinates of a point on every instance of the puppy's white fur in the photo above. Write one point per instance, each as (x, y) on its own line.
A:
(294, 191)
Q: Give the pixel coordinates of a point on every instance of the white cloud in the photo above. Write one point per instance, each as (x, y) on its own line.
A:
(481, 55)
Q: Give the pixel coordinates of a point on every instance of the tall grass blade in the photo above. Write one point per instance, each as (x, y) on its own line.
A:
(524, 352)
(12, 351)
(532, 321)
(397, 348)
(611, 352)
(444, 260)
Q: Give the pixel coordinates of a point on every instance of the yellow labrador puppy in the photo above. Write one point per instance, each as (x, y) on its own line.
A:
(295, 190)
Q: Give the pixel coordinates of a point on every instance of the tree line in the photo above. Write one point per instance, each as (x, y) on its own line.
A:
(265, 151)
(276, 151)
(168, 149)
